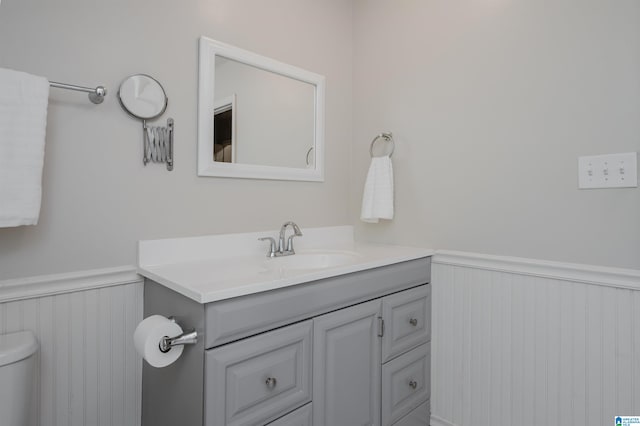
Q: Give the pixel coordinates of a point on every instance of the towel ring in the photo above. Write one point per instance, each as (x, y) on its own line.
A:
(387, 137)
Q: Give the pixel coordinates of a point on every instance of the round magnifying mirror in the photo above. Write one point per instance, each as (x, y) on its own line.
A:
(142, 96)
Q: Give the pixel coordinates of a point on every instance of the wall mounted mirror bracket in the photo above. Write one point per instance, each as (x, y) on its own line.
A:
(144, 98)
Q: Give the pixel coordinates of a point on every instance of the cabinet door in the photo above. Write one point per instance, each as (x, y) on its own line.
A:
(407, 321)
(346, 367)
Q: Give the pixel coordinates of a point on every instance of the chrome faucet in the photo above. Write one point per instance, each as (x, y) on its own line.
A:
(296, 233)
(281, 251)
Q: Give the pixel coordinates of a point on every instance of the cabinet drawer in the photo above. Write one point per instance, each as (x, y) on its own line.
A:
(418, 417)
(257, 380)
(405, 383)
(407, 320)
(300, 417)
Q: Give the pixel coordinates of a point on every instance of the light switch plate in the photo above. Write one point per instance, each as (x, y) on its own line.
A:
(608, 171)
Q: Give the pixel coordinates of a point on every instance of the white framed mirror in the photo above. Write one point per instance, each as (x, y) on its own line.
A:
(258, 118)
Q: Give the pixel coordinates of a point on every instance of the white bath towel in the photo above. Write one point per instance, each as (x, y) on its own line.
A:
(23, 119)
(377, 200)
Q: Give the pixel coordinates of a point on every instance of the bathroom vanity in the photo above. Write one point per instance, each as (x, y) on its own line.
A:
(339, 336)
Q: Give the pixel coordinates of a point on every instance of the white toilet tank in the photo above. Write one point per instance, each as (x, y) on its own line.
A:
(17, 366)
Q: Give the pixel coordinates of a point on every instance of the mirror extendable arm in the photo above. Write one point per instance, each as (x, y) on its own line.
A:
(144, 98)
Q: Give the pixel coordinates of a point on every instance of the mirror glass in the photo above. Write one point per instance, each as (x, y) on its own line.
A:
(261, 117)
(142, 96)
(257, 117)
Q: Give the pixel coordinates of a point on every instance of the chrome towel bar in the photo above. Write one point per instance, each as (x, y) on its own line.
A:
(95, 95)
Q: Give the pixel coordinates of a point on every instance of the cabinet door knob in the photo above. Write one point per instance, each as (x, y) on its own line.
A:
(271, 382)
(413, 384)
(413, 322)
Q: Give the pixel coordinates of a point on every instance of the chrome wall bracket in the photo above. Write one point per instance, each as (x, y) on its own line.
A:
(187, 338)
(158, 143)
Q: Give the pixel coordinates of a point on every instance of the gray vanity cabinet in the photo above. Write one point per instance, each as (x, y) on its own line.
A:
(349, 350)
(346, 366)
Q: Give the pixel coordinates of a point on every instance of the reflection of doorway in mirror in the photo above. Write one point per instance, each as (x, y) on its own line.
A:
(224, 130)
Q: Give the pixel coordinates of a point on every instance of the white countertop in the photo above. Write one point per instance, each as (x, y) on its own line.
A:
(217, 267)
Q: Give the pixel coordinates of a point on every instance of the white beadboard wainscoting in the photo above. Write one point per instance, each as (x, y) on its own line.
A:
(88, 372)
(526, 342)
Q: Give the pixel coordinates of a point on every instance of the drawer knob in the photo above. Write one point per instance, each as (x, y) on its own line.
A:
(413, 322)
(413, 384)
(271, 382)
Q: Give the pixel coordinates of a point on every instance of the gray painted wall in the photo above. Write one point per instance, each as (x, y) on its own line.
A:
(98, 198)
(491, 102)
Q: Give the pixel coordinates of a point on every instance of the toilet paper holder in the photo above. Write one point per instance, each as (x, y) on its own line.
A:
(187, 338)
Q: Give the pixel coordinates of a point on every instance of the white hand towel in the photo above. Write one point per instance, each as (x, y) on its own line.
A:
(23, 119)
(377, 200)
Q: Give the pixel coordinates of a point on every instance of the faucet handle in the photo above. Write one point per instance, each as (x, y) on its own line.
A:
(272, 246)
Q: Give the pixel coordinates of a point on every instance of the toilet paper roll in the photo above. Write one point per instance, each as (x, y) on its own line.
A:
(147, 338)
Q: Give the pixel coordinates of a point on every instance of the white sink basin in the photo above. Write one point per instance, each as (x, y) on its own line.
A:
(313, 260)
